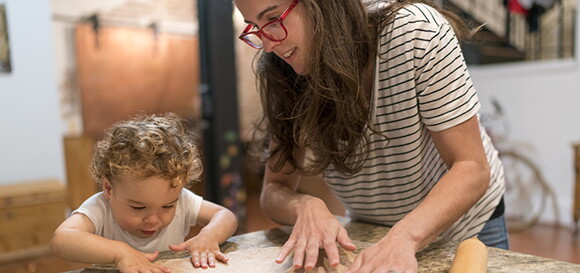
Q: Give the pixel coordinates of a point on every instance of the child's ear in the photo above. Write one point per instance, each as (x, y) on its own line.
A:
(106, 187)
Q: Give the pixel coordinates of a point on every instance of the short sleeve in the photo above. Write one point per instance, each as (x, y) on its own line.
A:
(95, 208)
(191, 204)
(445, 93)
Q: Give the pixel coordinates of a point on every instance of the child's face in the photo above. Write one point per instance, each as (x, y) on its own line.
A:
(142, 207)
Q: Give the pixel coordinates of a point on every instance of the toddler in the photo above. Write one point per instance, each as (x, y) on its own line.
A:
(142, 166)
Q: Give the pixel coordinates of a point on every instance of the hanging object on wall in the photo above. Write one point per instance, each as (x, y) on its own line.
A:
(94, 20)
(154, 27)
(5, 64)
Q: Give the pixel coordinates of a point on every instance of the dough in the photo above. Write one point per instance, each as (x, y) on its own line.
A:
(260, 260)
(323, 264)
(242, 261)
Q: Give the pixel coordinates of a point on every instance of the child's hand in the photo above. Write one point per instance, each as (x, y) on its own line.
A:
(133, 261)
(204, 252)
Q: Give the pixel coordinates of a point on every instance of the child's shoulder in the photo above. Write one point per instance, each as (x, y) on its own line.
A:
(188, 195)
(96, 204)
(96, 208)
(97, 199)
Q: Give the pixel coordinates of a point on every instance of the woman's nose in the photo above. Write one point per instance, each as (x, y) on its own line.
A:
(268, 44)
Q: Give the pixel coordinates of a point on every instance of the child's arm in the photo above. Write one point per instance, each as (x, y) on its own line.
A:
(219, 224)
(75, 240)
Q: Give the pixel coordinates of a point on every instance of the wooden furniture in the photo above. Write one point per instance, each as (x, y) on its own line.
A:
(78, 151)
(29, 214)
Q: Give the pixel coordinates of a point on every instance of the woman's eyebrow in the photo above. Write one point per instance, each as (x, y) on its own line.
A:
(261, 14)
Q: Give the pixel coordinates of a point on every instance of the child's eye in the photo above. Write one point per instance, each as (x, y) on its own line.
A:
(168, 207)
(137, 208)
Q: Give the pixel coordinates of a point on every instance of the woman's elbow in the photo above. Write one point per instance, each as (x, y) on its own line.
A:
(483, 177)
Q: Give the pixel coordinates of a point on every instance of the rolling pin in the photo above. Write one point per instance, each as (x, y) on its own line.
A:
(471, 257)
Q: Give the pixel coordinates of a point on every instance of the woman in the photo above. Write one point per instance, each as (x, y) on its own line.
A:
(377, 94)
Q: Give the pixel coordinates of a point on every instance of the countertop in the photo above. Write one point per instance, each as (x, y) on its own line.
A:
(437, 257)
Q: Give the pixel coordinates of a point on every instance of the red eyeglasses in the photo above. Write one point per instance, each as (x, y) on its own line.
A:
(273, 30)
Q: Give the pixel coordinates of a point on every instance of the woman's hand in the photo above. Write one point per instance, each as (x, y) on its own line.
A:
(134, 261)
(204, 251)
(394, 253)
(315, 228)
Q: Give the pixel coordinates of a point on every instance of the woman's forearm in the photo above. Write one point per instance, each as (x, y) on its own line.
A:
(452, 197)
(283, 205)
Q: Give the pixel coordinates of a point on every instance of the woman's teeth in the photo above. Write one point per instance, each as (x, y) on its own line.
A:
(289, 53)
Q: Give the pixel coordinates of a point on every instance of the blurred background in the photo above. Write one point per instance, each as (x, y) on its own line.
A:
(71, 68)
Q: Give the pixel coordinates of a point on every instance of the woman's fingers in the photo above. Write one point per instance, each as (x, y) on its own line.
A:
(286, 249)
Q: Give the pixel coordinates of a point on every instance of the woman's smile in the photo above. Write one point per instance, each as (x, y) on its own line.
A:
(288, 53)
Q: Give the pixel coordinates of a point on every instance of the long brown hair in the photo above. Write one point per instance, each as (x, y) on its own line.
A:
(328, 110)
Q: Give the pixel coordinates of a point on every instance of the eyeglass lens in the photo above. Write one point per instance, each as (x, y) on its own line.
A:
(273, 31)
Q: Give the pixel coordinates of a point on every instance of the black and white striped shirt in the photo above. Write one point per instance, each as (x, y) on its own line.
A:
(421, 85)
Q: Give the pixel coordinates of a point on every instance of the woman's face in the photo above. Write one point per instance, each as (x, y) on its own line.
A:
(294, 49)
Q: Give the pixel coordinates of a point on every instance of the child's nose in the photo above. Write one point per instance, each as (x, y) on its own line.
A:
(152, 219)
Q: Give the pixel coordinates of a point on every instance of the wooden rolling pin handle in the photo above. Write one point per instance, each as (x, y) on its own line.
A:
(471, 257)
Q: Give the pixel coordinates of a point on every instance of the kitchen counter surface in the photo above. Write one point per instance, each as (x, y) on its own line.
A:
(437, 257)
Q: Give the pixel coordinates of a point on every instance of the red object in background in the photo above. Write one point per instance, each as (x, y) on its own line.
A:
(515, 7)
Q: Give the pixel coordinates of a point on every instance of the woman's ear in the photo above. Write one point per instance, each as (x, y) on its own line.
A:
(106, 187)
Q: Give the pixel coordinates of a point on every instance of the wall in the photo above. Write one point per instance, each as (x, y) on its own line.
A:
(248, 98)
(542, 105)
(31, 134)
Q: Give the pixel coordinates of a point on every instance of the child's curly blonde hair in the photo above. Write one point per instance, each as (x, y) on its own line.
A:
(147, 146)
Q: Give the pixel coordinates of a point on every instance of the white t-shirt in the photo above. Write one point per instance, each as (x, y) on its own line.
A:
(98, 210)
